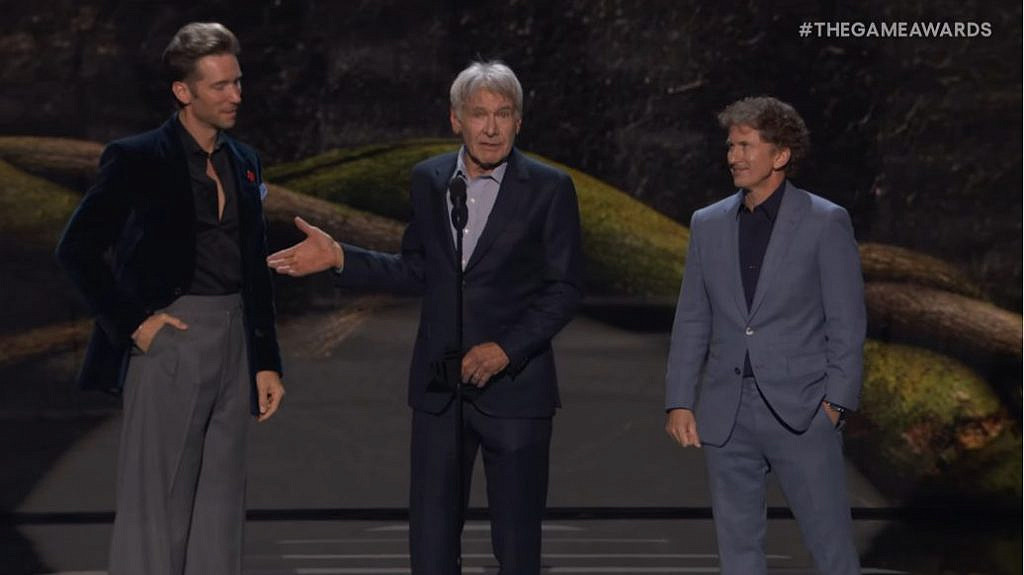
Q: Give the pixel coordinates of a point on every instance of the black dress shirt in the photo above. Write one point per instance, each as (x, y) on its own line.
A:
(755, 231)
(218, 254)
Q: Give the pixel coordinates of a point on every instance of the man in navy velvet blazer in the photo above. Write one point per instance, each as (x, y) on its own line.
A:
(523, 268)
(184, 315)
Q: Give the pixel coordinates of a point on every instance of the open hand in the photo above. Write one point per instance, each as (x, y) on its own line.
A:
(316, 253)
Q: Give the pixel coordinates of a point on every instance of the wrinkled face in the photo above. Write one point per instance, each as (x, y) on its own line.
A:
(213, 94)
(488, 123)
(755, 165)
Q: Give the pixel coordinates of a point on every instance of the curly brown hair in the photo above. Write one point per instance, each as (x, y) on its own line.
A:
(776, 121)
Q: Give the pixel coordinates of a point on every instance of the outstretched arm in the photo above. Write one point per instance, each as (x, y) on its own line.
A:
(366, 269)
(318, 252)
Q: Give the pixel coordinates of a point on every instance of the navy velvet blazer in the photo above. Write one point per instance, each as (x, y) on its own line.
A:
(129, 248)
(523, 282)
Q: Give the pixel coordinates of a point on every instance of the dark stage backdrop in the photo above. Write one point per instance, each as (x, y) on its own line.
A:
(920, 138)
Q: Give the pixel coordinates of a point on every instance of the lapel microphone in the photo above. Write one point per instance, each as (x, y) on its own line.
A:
(457, 195)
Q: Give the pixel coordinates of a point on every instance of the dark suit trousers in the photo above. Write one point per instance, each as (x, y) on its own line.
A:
(181, 461)
(515, 454)
(811, 472)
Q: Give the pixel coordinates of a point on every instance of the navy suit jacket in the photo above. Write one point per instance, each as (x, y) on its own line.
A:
(522, 282)
(129, 248)
(804, 330)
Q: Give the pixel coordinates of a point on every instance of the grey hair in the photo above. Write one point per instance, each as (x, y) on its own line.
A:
(194, 41)
(493, 76)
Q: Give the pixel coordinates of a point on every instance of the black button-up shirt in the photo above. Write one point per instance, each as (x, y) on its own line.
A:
(218, 254)
(755, 231)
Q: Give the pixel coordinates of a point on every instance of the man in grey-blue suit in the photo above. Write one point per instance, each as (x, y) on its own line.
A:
(766, 354)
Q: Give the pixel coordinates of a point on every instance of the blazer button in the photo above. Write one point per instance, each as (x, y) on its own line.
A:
(750, 330)
(736, 370)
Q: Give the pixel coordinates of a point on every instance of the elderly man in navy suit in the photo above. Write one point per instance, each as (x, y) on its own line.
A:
(522, 269)
(185, 315)
(766, 353)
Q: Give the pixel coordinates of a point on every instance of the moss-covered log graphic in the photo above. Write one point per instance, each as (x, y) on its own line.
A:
(926, 419)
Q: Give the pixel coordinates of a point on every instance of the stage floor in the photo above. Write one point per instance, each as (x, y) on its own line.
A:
(636, 547)
(341, 441)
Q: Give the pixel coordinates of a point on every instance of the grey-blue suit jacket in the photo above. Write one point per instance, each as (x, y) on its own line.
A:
(804, 330)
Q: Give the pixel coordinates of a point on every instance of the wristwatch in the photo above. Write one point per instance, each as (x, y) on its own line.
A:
(842, 411)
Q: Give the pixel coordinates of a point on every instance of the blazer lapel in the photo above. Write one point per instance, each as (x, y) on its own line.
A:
(240, 168)
(179, 183)
(439, 206)
(794, 203)
(732, 252)
(510, 194)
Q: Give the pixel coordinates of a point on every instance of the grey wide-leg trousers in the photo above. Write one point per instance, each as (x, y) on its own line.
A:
(811, 472)
(181, 463)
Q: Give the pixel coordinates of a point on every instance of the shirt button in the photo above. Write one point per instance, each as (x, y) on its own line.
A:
(736, 370)
(750, 330)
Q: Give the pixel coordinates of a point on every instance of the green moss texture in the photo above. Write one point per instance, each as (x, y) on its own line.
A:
(935, 422)
(32, 209)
